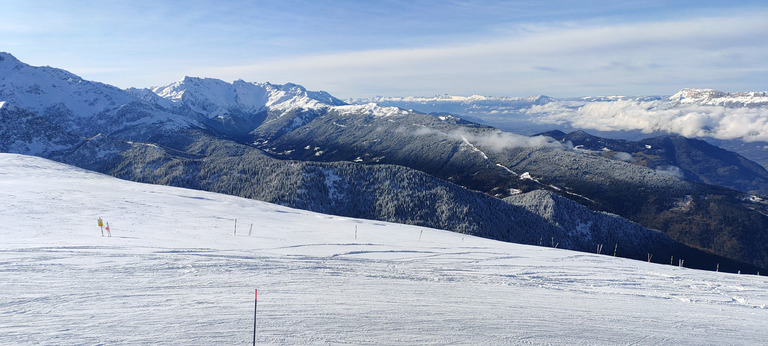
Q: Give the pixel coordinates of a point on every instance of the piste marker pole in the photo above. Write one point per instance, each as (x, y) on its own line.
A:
(255, 304)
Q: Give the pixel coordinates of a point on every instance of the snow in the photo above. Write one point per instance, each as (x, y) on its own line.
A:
(506, 168)
(584, 229)
(76, 104)
(527, 176)
(215, 97)
(447, 98)
(38, 88)
(691, 113)
(500, 104)
(372, 109)
(472, 147)
(715, 97)
(176, 271)
(331, 181)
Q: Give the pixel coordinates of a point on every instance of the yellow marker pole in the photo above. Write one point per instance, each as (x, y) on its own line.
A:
(101, 225)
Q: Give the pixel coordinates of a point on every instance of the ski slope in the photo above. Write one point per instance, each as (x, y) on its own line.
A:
(174, 272)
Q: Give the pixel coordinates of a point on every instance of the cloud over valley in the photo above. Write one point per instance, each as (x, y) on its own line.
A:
(693, 120)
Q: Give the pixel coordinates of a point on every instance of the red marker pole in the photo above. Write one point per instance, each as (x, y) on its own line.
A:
(255, 304)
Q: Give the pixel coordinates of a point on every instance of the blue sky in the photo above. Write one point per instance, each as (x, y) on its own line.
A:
(400, 48)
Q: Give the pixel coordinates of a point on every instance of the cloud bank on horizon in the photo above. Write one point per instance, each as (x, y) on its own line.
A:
(749, 124)
(394, 48)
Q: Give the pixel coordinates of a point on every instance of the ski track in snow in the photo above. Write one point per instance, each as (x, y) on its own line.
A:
(175, 272)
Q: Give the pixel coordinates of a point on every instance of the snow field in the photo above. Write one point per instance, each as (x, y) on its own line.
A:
(174, 272)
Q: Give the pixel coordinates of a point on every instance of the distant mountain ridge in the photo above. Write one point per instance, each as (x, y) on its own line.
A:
(501, 103)
(216, 97)
(77, 105)
(706, 114)
(691, 159)
(719, 98)
(306, 149)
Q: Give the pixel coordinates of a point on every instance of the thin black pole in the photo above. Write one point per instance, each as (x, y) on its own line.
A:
(255, 304)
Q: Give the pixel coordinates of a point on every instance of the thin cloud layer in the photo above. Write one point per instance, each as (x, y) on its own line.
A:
(357, 49)
(554, 60)
(496, 140)
(499, 140)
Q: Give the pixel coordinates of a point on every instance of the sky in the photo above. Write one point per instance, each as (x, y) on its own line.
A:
(403, 48)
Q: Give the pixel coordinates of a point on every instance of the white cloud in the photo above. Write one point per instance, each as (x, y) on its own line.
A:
(747, 123)
(499, 140)
(622, 156)
(572, 60)
(671, 171)
(496, 140)
(156, 45)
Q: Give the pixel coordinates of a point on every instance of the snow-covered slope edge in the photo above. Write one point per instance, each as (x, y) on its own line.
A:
(175, 272)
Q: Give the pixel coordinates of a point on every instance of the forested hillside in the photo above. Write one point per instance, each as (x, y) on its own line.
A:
(306, 149)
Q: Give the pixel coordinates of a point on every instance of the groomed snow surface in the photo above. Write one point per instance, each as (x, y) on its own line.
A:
(174, 272)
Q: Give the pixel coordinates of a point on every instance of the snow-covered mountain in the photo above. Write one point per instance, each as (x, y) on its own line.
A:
(87, 108)
(452, 99)
(735, 120)
(53, 113)
(713, 97)
(235, 109)
(81, 107)
(39, 88)
(306, 149)
(477, 104)
(690, 159)
(170, 276)
(468, 107)
(215, 98)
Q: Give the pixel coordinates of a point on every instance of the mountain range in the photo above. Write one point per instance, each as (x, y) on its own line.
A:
(729, 120)
(307, 149)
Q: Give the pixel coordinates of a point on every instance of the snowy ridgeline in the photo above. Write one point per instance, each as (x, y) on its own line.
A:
(694, 113)
(178, 271)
